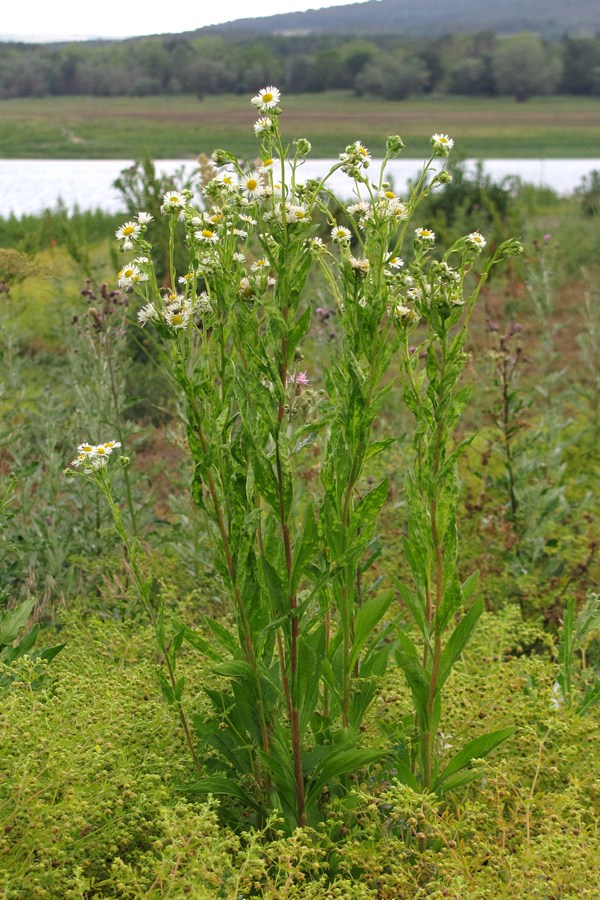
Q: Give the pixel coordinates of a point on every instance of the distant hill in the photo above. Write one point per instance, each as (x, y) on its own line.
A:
(426, 18)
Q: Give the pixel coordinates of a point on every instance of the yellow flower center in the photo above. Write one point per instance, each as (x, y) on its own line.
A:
(177, 319)
(173, 199)
(100, 450)
(207, 233)
(363, 151)
(267, 162)
(267, 97)
(390, 195)
(128, 229)
(252, 184)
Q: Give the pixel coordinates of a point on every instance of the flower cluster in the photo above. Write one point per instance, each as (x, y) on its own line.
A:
(442, 144)
(355, 158)
(91, 457)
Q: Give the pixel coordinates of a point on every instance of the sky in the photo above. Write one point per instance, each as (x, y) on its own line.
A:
(62, 19)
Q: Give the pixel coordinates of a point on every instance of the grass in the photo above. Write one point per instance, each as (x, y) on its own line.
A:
(183, 126)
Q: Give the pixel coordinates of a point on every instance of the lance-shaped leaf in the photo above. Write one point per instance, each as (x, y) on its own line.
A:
(458, 640)
(368, 507)
(219, 784)
(305, 548)
(275, 588)
(591, 696)
(367, 617)
(14, 620)
(411, 665)
(475, 749)
(378, 446)
(337, 763)
(296, 333)
(415, 606)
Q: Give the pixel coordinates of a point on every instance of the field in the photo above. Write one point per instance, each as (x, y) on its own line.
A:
(182, 127)
(133, 762)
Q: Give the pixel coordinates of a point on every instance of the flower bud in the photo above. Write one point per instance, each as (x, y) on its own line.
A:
(303, 147)
(222, 157)
(394, 144)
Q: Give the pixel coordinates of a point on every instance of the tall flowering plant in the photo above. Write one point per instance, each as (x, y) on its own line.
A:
(296, 675)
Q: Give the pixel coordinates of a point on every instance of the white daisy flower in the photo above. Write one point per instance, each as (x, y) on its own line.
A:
(395, 262)
(85, 449)
(442, 144)
(266, 165)
(425, 235)
(147, 313)
(207, 236)
(262, 125)
(267, 98)
(252, 185)
(362, 207)
(144, 218)
(360, 265)
(476, 240)
(128, 232)
(130, 275)
(178, 315)
(173, 201)
(297, 213)
(229, 180)
(340, 234)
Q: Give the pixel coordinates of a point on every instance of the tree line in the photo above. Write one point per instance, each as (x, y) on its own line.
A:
(392, 67)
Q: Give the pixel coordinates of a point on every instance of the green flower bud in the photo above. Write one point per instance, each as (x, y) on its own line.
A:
(394, 144)
(303, 147)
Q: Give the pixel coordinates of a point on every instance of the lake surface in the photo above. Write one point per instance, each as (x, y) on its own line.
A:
(32, 185)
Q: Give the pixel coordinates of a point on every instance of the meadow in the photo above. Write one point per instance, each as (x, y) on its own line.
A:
(184, 126)
(132, 759)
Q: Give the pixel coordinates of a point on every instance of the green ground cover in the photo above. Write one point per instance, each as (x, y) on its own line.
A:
(183, 126)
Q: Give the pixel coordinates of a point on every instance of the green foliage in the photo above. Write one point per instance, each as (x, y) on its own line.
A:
(578, 685)
(589, 195)
(522, 66)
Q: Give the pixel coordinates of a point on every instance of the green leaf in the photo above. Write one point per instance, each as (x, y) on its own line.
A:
(458, 640)
(12, 621)
(304, 548)
(24, 645)
(234, 668)
(339, 762)
(592, 695)
(165, 687)
(266, 481)
(368, 616)
(469, 585)
(378, 446)
(199, 643)
(224, 637)
(296, 333)
(275, 588)
(220, 784)
(475, 749)
(367, 509)
(179, 688)
(409, 662)
(415, 607)
(50, 652)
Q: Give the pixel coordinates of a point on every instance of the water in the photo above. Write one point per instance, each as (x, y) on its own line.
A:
(28, 186)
